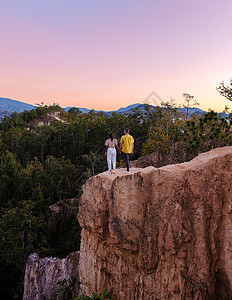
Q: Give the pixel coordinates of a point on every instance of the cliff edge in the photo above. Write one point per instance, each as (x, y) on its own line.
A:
(159, 233)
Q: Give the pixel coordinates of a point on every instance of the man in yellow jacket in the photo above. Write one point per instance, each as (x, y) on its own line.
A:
(127, 147)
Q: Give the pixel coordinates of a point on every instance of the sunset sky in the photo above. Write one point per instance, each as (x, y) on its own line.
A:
(107, 54)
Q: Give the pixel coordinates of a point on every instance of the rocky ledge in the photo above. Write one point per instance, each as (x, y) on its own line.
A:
(160, 233)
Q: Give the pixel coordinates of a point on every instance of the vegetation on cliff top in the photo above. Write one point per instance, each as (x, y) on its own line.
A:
(40, 165)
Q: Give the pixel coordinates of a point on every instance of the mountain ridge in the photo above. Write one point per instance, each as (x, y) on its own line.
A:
(8, 106)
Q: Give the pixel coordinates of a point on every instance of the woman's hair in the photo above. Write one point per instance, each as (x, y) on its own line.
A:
(111, 136)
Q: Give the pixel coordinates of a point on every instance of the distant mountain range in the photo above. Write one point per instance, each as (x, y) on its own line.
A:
(8, 106)
(119, 111)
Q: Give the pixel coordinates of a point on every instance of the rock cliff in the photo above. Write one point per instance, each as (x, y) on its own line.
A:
(43, 275)
(160, 233)
(152, 234)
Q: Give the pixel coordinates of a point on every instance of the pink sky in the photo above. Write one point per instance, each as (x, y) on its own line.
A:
(109, 54)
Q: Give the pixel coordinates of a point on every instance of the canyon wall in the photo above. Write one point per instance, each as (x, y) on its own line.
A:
(159, 233)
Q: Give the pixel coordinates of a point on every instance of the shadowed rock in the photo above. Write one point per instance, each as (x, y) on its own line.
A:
(43, 275)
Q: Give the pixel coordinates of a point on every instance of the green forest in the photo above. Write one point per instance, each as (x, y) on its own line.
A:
(43, 164)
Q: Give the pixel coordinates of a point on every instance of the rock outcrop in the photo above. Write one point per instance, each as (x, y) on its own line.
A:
(155, 159)
(60, 212)
(43, 275)
(160, 233)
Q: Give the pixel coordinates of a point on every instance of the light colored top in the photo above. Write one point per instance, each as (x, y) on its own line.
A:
(127, 142)
(111, 144)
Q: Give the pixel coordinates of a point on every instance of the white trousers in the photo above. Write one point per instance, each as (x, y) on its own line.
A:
(111, 158)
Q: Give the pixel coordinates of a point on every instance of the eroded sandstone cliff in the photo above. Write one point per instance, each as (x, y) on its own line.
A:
(160, 233)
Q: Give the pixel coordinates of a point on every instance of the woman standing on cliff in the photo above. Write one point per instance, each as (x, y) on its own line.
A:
(111, 145)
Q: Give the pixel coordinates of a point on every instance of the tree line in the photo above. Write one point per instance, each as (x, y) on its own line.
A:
(40, 165)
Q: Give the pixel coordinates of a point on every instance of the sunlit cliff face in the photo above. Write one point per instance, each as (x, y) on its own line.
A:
(159, 233)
